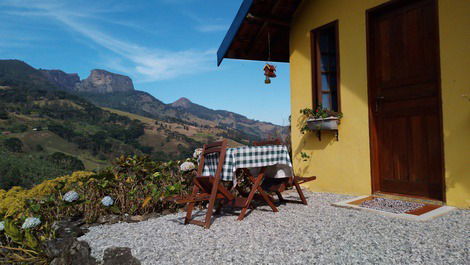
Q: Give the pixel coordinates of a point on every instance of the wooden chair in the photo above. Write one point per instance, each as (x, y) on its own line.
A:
(207, 188)
(279, 185)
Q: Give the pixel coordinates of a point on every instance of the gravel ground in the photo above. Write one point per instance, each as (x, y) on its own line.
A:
(315, 234)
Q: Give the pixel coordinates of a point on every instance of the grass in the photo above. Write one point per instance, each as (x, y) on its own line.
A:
(199, 134)
(53, 143)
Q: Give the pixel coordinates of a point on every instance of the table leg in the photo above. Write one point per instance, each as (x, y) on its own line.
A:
(257, 187)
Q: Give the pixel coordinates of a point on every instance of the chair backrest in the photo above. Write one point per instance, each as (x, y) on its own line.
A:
(269, 142)
(219, 148)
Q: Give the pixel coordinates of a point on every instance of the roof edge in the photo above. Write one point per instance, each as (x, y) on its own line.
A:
(233, 30)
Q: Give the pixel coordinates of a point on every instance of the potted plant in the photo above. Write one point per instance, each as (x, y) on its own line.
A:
(320, 119)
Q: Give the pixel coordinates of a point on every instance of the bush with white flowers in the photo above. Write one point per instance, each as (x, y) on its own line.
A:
(187, 166)
(107, 201)
(31, 222)
(2, 225)
(197, 152)
(71, 196)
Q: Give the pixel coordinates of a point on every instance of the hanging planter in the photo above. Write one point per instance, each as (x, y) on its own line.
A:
(319, 120)
(318, 124)
(269, 72)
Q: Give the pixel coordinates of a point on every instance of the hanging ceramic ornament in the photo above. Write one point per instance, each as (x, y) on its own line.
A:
(269, 69)
(269, 72)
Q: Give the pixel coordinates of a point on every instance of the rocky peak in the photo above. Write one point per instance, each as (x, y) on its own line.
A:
(182, 102)
(61, 79)
(101, 81)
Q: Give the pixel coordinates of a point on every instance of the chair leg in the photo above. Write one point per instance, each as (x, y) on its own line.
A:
(210, 209)
(299, 191)
(266, 197)
(279, 195)
(257, 182)
(218, 208)
(190, 206)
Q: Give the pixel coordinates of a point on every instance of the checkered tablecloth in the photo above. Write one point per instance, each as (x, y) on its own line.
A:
(247, 157)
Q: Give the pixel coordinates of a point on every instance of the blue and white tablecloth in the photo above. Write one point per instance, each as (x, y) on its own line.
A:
(275, 157)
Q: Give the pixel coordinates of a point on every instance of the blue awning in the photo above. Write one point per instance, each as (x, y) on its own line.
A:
(260, 31)
(233, 30)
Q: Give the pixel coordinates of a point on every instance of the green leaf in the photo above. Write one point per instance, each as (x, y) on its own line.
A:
(13, 232)
(35, 207)
(31, 241)
(115, 209)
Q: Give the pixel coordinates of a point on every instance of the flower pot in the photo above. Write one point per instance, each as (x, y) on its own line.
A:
(330, 123)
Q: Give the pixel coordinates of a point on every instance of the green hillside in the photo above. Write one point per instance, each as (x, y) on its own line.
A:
(52, 121)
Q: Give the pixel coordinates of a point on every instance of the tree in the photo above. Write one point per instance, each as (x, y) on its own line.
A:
(66, 161)
(3, 115)
(13, 145)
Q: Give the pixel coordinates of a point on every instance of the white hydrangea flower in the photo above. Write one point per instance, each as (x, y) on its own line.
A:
(187, 166)
(2, 225)
(197, 152)
(31, 222)
(70, 196)
(107, 201)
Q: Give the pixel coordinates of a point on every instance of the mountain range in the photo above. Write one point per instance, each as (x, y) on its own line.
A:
(102, 116)
(117, 91)
(52, 122)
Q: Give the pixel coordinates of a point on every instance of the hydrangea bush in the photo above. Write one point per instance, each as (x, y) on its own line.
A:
(107, 201)
(31, 222)
(187, 166)
(132, 186)
(71, 196)
(197, 153)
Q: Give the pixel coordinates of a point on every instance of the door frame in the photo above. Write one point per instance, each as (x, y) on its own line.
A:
(375, 173)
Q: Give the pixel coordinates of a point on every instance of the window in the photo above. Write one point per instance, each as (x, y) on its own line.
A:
(325, 66)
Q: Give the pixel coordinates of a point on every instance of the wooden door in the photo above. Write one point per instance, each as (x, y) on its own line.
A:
(404, 99)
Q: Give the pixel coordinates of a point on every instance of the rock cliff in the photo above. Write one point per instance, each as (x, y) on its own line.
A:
(101, 81)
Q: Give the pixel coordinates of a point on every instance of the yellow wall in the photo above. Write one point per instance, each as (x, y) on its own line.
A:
(454, 30)
(344, 166)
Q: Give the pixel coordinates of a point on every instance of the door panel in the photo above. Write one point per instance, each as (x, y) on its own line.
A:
(404, 99)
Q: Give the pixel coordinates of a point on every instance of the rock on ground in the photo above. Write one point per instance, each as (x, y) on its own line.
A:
(318, 233)
(119, 256)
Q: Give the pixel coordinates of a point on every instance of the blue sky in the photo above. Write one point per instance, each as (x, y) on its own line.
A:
(168, 48)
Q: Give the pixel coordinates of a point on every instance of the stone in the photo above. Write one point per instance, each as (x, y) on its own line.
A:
(58, 261)
(66, 228)
(108, 219)
(137, 218)
(152, 215)
(56, 247)
(80, 254)
(166, 212)
(119, 256)
(69, 251)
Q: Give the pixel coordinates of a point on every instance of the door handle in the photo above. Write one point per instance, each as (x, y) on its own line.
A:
(378, 99)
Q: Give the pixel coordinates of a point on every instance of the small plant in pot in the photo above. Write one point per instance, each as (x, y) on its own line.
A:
(320, 119)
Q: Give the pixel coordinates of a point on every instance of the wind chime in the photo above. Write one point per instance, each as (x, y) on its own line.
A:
(269, 69)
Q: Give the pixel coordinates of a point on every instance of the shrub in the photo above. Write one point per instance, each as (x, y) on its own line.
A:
(3, 115)
(13, 145)
(66, 161)
(136, 184)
